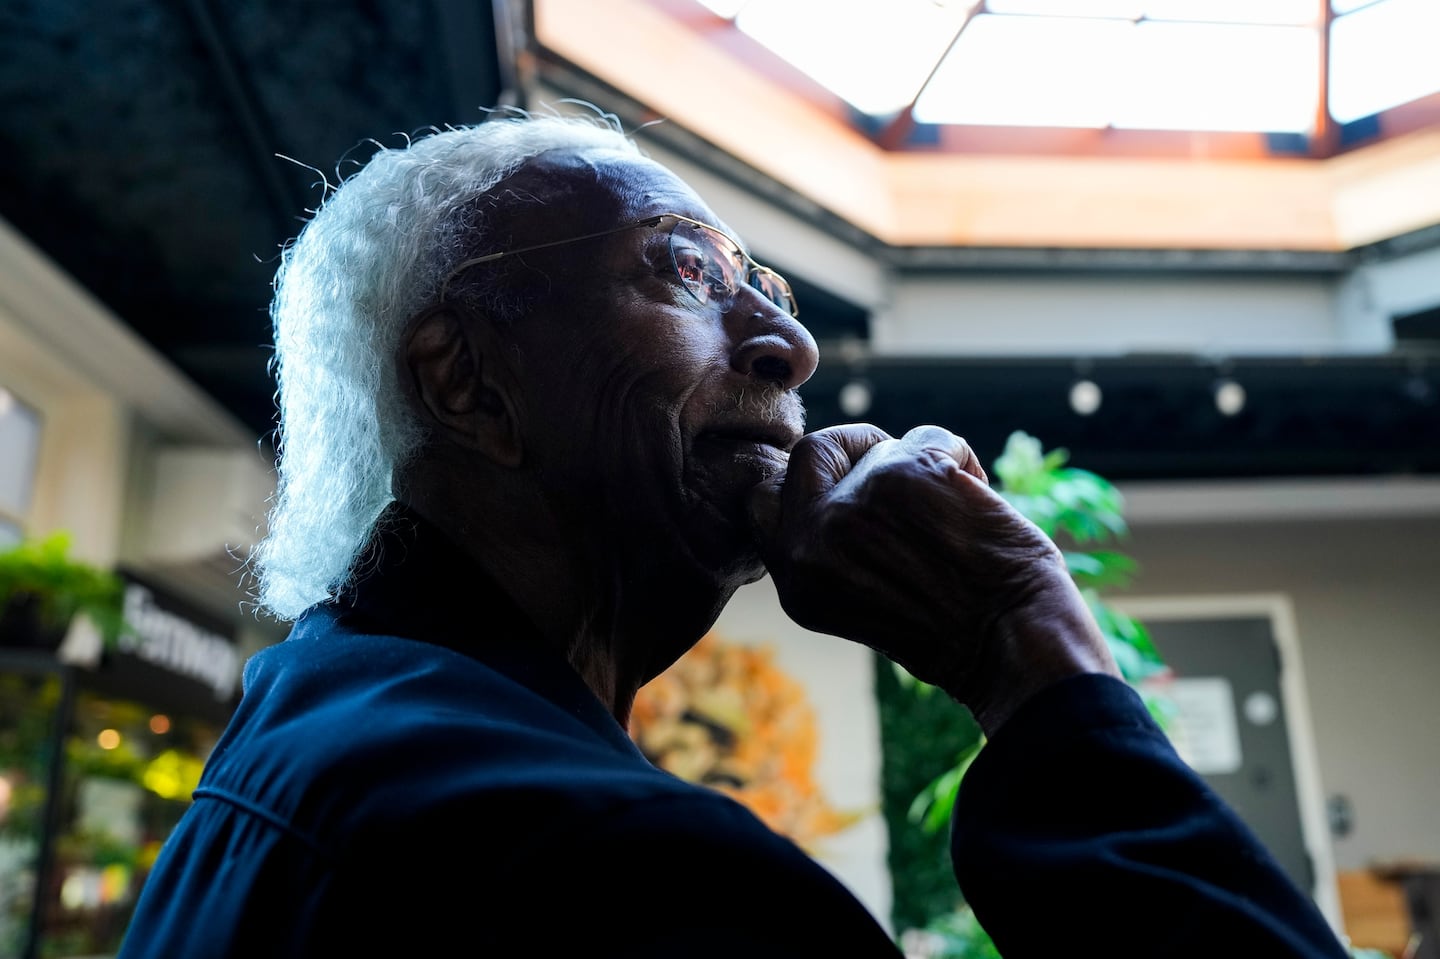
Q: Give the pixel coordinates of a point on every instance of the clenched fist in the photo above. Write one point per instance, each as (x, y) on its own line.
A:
(900, 544)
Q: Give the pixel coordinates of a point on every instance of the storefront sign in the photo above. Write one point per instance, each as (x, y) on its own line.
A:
(171, 641)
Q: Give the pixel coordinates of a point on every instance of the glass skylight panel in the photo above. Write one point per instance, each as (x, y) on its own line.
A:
(1202, 76)
(1028, 71)
(1294, 12)
(1118, 9)
(1212, 11)
(875, 56)
(1383, 56)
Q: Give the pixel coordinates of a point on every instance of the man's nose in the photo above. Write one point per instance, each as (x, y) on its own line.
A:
(773, 345)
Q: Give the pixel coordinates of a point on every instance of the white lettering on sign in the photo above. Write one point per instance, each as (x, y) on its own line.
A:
(174, 643)
(1206, 734)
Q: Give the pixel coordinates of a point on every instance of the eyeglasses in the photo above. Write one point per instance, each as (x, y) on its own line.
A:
(709, 264)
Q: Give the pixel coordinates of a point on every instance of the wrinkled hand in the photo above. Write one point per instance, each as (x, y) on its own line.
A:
(900, 544)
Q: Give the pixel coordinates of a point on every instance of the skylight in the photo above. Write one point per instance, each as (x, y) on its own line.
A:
(875, 57)
(1383, 55)
(1190, 65)
(1027, 71)
(1294, 12)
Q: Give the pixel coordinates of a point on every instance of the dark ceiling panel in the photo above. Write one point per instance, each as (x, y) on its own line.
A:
(331, 76)
(121, 157)
(138, 142)
(1158, 418)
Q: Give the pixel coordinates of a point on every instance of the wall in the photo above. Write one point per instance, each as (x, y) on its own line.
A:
(1376, 291)
(111, 409)
(1366, 610)
(84, 433)
(1096, 315)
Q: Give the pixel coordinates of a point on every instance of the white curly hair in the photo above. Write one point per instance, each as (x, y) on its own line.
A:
(374, 254)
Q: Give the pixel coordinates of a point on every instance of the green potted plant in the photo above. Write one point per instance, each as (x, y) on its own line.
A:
(43, 588)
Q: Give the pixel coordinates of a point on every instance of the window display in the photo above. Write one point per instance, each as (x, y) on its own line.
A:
(97, 764)
(129, 772)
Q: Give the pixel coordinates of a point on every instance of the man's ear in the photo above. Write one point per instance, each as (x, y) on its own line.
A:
(460, 382)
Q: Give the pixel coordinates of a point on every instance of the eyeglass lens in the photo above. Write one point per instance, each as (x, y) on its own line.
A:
(713, 270)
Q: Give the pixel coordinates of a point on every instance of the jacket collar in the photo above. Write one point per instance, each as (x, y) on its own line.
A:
(416, 583)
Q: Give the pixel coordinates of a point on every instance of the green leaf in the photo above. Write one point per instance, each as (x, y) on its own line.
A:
(1055, 459)
(1021, 467)
(1100, 568)
(931, 809)
(959, 935)
(908, 681)
(64, 586)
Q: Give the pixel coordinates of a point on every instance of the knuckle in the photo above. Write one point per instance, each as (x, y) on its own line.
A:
(888, 482)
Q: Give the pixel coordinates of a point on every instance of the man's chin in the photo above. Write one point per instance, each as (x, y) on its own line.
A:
(725, 545)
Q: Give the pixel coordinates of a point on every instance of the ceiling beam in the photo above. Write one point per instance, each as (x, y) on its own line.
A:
(893, 136)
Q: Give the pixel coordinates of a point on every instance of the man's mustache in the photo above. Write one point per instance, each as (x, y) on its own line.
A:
(762, 405)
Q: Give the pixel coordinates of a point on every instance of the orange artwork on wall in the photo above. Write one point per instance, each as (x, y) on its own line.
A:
(726, 716)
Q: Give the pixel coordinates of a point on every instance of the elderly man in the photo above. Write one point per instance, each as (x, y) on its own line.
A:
(539, 423)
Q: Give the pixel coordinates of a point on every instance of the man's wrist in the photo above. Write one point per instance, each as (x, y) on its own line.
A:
(1030, 649)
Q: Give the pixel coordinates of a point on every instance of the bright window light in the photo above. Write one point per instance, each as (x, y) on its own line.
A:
(1028, 71)
(875, 56)
(1070, 72)
(1119, 9)
(1383, 56)
(1289, 12)
(19, 454)
(1206, 76)
(1345, 6)
(1211, 11)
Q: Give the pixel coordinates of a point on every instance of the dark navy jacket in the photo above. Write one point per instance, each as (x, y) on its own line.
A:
(384, 796)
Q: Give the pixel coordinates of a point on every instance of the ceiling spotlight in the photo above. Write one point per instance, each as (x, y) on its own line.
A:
(855, 398)
(1229, 397)
(1085, 397)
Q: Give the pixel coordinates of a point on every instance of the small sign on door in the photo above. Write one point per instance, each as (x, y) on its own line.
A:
(1204, 730)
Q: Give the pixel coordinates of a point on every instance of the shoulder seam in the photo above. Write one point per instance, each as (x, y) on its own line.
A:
(260, 812)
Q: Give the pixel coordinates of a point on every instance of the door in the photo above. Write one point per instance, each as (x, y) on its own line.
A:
(1233, 728)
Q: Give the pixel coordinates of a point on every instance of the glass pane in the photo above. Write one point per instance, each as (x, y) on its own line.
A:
(1210, 11)
(1383, 56)
(19, 452)
(875, 56)
(1298, 12)
(27, 715)
(10, 535)
(1345, 6)
(1028, 71)
(1121, 9)
(1198, 76)
(130, 773)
